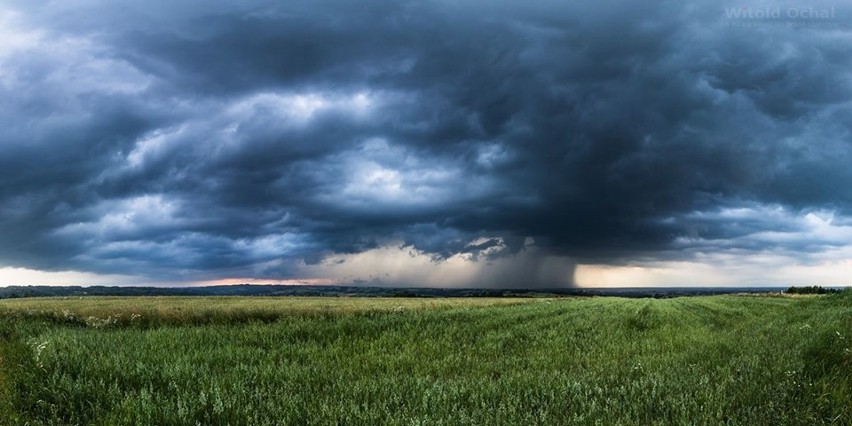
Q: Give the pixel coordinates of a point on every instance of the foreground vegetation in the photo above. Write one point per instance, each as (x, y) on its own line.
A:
(697, 360)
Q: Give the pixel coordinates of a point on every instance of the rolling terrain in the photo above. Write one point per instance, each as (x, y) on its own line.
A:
(728, 359)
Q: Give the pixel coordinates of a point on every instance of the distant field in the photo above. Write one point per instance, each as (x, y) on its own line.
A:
(192, 310)
(269, 361)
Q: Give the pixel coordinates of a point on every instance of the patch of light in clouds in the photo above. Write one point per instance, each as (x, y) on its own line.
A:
(130, 217)
(301, 107)
(23, 276)
(743, 269)
(13, 37)
(399, 265)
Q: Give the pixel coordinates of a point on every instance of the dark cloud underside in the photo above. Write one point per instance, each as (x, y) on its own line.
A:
(208, 139)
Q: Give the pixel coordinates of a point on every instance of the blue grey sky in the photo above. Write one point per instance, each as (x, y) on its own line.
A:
(439, 143)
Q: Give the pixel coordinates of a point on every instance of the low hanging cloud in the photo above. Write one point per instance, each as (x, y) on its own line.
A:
(402, 266)
(502, 143)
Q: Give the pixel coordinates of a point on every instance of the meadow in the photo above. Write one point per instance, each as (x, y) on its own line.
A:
(734, 359)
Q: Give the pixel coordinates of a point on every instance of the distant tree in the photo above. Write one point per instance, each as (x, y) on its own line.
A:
(814, 289)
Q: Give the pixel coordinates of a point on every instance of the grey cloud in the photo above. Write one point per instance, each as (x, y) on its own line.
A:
(280, 134)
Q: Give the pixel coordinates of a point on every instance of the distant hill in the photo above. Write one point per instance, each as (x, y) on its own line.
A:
(362, 291)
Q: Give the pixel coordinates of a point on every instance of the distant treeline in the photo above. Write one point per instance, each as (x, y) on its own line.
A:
(813, 289)
(274, 290)
(369, 291)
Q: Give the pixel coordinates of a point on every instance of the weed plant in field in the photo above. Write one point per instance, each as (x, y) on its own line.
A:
(697, 360)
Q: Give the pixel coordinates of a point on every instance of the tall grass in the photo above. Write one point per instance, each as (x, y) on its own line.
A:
(698, 360)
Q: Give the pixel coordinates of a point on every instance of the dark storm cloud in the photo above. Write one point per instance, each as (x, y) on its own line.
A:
(208, 139)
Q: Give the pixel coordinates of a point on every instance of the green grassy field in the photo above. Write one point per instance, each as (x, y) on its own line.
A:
(264, 361)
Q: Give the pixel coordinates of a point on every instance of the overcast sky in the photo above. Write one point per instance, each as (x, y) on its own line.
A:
(442, 143)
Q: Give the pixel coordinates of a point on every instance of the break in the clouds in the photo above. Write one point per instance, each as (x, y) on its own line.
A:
(487, 143)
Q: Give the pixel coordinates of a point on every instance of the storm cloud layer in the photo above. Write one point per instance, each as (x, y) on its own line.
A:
(210, 140)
